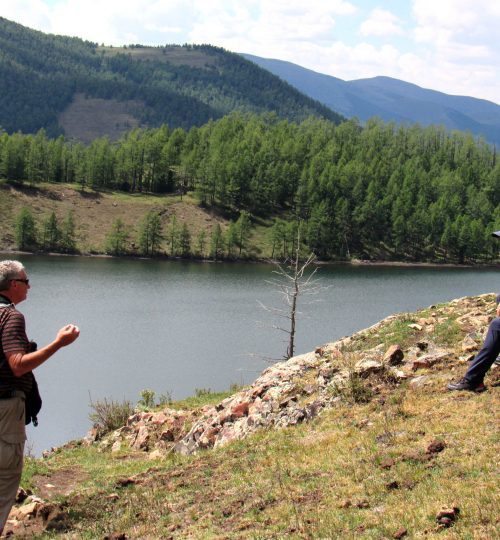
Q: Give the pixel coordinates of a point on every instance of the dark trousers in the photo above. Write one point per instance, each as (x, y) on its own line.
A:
(486, 356)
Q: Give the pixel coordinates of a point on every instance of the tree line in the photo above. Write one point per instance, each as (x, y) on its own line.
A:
(152, 238)
(378, 191)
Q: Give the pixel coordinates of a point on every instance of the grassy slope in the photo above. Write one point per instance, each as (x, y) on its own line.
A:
(95, 212)
(359, 471)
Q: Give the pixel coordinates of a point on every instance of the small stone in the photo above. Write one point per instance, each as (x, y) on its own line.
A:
(394, 355)
(368, 366)
(55, 519)
(27, 510)
(208, 437)
(327, 373)
(422, 363)
(240, 410)
(309, 389)
(387, 463)
(124, 482)
(419, 382)
(446, 515)
(436, 446)
(469, 344)
(362, 503)
(415, 326)
(156, 454)
(167, 435)
(400, 533)
(346, 504)
(142, 439)
(117, 446)
(22, 495)
(92, 436)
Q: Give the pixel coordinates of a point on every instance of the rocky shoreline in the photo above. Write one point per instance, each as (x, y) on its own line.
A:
(367, 365)
(297, 390)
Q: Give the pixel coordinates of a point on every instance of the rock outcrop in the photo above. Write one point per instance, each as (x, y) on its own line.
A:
(297, 390)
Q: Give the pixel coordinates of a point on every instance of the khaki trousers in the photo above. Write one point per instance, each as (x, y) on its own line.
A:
(12, 438)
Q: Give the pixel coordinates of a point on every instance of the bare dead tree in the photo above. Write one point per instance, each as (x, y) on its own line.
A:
(292, 280)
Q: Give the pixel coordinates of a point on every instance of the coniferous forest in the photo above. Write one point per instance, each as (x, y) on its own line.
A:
(181, 86)
(384, 191)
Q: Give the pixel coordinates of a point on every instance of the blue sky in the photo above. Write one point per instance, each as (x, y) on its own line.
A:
(447, 45)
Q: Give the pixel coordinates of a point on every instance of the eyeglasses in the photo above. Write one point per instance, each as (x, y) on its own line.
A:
(25, 281)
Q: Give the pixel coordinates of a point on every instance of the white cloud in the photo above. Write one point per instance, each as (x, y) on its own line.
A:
(33, 13)
(381, 23)
(268, 26)
(460, 41)
(453, 45)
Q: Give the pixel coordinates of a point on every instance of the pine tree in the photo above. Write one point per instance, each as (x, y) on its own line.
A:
(216, 242)
(51, 233)
(243, 226)
(25, 228)
(173, 236)
(68, 234)
(200, 242)
(231, 239)
(185, 241)
(150, 233)
(117, 238)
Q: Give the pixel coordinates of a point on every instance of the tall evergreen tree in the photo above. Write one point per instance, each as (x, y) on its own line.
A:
(185, 240)
(26, 233)
(243, 226)
(51, 233)
(200, 242)
(116, 242)
(68, 234)
(216, 242)
(150, 233)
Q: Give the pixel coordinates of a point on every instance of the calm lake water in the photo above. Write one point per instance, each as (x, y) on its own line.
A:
(175, 326)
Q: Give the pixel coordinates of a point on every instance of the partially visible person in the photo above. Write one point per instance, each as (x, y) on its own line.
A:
(473, 380)
(17, 361)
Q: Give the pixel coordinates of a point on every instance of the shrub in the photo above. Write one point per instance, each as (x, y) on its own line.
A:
(354, 388)
(147, 400)
(110, 415)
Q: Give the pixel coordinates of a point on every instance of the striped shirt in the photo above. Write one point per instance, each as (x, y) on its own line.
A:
(13, 340)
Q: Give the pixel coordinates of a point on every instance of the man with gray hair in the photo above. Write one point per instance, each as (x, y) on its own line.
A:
(17, 361)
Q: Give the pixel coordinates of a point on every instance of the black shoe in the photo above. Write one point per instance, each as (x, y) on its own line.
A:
(464, 384)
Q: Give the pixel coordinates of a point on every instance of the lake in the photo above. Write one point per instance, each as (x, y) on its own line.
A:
(176, 326)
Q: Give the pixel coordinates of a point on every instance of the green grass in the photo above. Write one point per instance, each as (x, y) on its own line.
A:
(320, 480)
(448, 332)
(204, 397)
(361, 470)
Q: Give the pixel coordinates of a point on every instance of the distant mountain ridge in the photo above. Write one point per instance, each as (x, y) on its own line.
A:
(390, 99)
(74, 87)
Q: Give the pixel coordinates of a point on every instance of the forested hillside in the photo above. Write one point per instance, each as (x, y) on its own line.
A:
(379, 192)
(391, 100)
(40, 75)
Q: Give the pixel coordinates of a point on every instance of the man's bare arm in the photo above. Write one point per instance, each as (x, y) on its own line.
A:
(22, 363)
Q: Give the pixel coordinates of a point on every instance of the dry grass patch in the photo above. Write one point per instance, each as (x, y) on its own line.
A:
(361, 471)
(94, 212)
